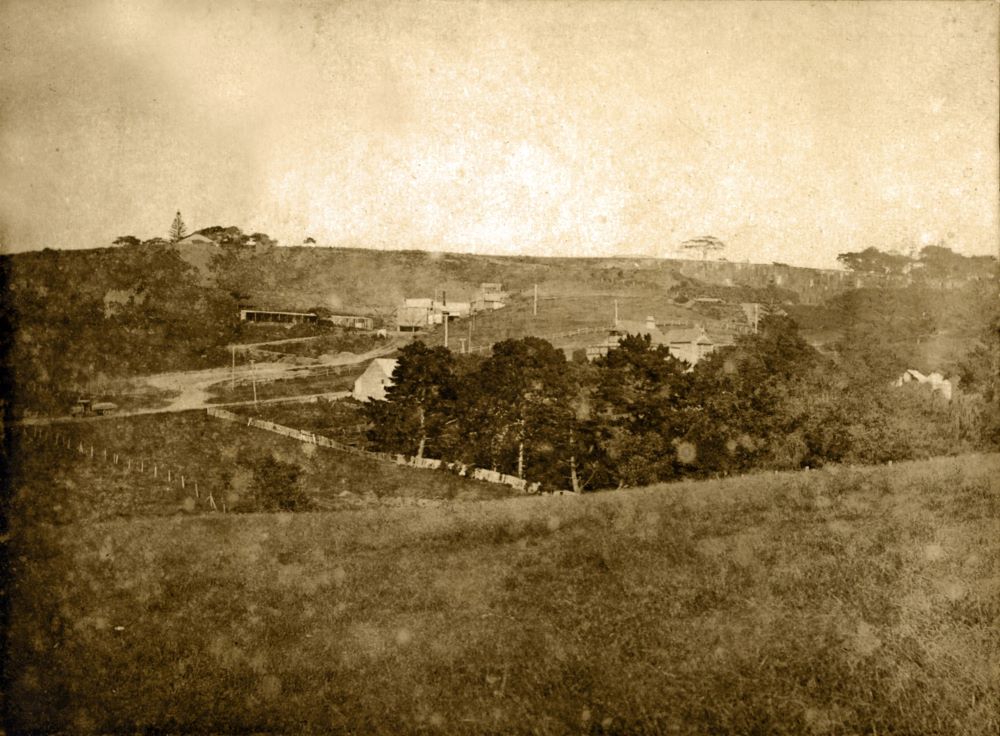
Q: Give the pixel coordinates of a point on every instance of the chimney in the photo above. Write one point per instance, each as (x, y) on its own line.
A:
(650, 323)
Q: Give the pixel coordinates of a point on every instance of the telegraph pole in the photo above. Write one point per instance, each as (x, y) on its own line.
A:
(535, 309)
(444, 316)
(253, 379)
(232, 372)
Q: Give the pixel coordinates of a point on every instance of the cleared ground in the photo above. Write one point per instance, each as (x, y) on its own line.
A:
(834, 601)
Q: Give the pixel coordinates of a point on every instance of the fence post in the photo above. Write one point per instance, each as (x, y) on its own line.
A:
(182, 481)
(154, 470)
(196, 490)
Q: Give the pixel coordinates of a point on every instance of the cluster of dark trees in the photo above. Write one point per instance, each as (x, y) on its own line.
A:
(76, 320)
(933, 262)
(639, 415)
(85, 317)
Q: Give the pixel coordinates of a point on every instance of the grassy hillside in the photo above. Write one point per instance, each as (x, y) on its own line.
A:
(307, 276)
(560, 314)
(60, 485)
(928, 329)
(86, 318)
(839, 601)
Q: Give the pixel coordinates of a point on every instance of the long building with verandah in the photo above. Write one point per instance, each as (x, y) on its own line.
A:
(273, 316)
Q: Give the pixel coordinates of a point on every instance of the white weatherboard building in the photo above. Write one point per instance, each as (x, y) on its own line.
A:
(371, 384)
(690, 344)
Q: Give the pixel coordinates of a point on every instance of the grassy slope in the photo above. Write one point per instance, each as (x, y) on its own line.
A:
(335, 277)
(564, 314)
(839, 601)
(64, 486)
(341, 420)
(929, 329)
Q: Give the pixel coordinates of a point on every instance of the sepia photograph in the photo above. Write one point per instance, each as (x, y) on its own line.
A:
(471, 367)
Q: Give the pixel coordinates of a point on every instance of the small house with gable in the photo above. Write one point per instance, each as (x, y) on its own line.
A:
(371, 384)
(490, 297)
(689, 344)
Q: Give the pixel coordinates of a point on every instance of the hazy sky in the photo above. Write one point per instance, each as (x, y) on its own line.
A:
(791, 131)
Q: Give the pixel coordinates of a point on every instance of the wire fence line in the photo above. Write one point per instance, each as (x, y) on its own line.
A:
(119, 462)
(246, 378)
(483, 474)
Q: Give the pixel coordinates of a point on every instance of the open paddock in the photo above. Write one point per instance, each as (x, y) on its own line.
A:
(833, 601)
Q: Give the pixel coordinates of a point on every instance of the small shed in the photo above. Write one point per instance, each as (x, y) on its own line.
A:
(375, 380)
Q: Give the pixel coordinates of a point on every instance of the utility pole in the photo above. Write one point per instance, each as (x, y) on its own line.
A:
(472, 318)
(535, 309)
(444, 317)
(616, 313)
(253, 379)
(232, 372)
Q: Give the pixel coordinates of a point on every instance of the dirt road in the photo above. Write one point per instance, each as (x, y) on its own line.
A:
(191, 387)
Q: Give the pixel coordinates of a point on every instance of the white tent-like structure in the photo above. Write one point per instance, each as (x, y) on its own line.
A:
(371, 384)
(936, 381)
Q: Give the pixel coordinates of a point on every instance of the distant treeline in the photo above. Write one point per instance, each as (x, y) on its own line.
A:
(934, 262)
(639, 416)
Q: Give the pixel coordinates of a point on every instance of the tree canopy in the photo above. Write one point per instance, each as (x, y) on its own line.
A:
(933, 262)
(640, 416)
(704, 244)
(177, 229)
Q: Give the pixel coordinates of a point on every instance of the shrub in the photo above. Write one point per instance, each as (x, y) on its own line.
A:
(268, 484)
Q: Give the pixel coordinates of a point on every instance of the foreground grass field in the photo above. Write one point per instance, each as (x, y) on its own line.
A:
(837, 601)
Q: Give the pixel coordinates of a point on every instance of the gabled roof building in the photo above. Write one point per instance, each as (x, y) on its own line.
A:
(371, 384)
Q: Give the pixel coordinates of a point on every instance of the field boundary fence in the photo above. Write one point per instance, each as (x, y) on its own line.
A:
(246, 378)
(427, 463)
(158, 472)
